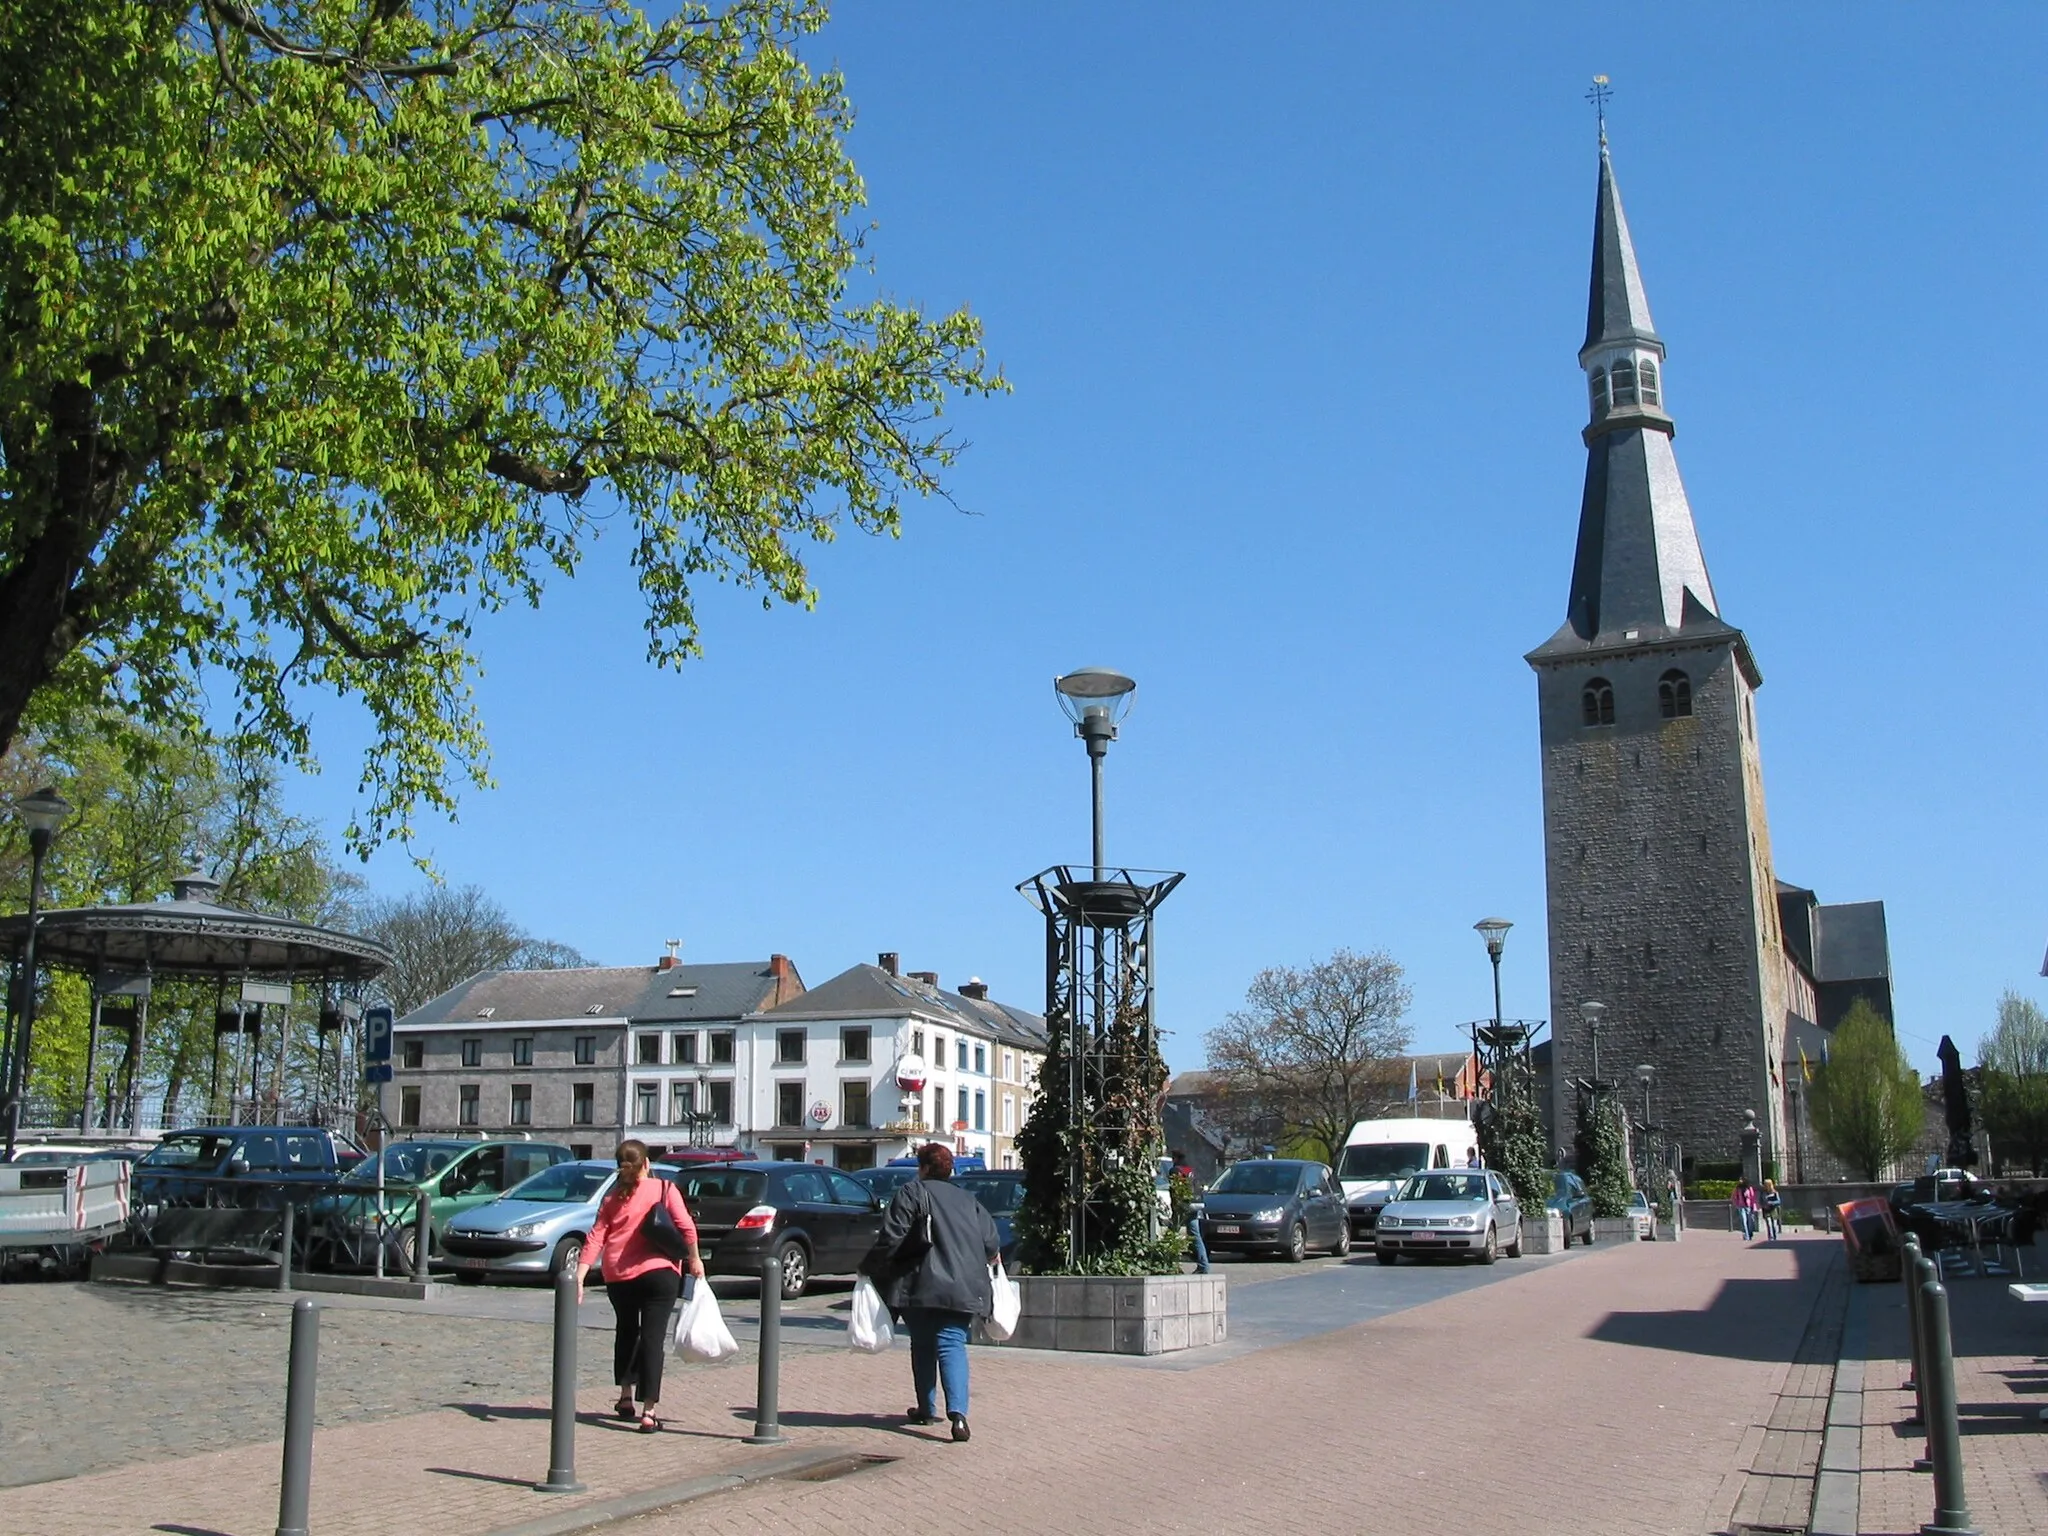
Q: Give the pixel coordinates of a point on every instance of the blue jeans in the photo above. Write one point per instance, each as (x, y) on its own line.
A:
(1748, 1221)
(938, 1351)
(1201, 1248)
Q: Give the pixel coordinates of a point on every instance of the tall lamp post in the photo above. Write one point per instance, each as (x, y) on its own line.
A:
(42, 813)
(1095, 699)
(1495, 931)
(1646, 1075)
(1592, 1013)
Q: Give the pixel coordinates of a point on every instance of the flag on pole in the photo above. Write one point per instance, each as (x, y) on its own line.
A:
(1805, 1066)
(1411, 1080)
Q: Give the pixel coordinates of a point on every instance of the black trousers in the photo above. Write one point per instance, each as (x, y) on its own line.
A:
(643, 1305)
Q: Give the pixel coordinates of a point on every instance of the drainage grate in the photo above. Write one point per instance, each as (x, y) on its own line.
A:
(832, 1471)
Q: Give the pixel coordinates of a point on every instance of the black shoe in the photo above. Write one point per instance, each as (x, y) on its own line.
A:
(919, 1416)
(960, 1430)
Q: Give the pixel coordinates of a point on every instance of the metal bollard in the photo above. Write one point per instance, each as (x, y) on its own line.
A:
(768, 1385)
(562, 1427)
(1925, 1273)
(1909, 1277)
(422, 1236)
(1944, 1435)
(295, 1484)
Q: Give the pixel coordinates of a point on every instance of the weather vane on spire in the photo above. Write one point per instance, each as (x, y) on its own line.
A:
(1599, 96)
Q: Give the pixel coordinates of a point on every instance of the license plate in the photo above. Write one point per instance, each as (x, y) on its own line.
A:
(1223, 1231)
(472, 1263)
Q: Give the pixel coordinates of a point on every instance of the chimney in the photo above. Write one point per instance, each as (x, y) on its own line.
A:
(888, 961)
(671, 960)
(975, 988)
(929, 978)
(779, 967)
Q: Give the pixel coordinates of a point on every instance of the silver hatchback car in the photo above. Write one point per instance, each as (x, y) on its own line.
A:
(1467, 1213)
(535, 1230)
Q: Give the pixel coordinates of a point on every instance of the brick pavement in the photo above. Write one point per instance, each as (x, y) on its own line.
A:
(2001, 1384)
(1609, 1395)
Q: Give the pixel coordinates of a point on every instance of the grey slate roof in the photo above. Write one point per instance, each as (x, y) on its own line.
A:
(869, 990)
(1617, 310)
(1852, 942)
(638, 992)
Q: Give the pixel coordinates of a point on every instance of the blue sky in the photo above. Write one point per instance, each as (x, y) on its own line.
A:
(1291, 309)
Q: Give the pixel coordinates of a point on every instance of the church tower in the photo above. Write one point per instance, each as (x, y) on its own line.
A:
(1662, 902)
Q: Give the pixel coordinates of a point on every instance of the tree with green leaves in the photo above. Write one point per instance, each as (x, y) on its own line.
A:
(328, 327)
(2013, 1102)
(1866, 1101)
(1603, 1153)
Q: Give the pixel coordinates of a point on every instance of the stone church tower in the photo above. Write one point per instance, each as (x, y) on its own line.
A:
(1662, 901)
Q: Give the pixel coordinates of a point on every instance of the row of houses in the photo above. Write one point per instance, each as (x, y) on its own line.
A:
(858, 1070)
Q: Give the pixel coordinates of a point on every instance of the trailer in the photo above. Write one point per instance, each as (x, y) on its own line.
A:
(60, 1212)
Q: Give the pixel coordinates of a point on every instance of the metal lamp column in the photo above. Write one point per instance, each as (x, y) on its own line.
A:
(43, 813)
(1495, 931)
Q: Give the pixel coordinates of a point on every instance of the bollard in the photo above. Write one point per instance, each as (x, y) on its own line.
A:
(1909, 1276)
(295, 1484)
(1925, 1273)
(284, 1252)
(1944, 1435)
(562, 1415)
(422, 1235)
(768, 1386)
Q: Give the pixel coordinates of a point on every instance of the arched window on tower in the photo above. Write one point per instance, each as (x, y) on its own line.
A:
(1596, 704)
(1622, 379)
(1646, 373)
(1597, 386)
(1674, 694)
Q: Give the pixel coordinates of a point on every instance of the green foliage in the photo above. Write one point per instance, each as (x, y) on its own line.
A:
(1607, 1175)
(1865, 1100)
(1713, 1189)
(335, 325)
(1511, 1140)
(2013, 1102)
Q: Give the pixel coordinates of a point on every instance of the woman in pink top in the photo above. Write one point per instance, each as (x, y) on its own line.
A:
(640, 1279)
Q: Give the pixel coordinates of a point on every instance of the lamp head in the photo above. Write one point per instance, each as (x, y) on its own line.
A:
(1591, 1012)
(42, 813)
(1095, 693)
(1645, 1072)
(1495, 931)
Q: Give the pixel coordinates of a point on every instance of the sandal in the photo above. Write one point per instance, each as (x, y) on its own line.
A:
(624, 1409)
(649, 1424)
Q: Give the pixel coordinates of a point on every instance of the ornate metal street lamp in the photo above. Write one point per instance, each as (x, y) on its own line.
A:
(1096, 700)
(42, 813)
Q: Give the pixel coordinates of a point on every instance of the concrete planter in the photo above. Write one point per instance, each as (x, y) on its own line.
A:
(1120, 1315)
(1543, 1234)
(1667, 1231)
(1614, 1229)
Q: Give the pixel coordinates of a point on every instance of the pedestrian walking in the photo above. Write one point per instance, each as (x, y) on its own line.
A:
(1182, 1169)
(932, 1264)
(1772, 1204)
(643, 1239)
(1747, 1208)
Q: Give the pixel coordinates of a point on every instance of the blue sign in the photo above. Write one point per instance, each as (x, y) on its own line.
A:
(377, 1072)
(377, 1044)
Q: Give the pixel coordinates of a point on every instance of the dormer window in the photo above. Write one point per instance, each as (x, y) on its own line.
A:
(1597, 386)
(1622, 380)
(1596, 704)
(1646, 372)
(1674, 695)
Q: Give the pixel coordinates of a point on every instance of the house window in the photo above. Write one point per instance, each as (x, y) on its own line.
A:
(1009, 1066)
(1009, 1159)
(683, 1048)
(1009, 1115)
(1674, 695)
(1646, 373)
(586, 1051)
(961, 1045)
(981, 1059)
(412, 1054)
(962, 1106)
(938, 1050)
(522, 1104)
(1649, 955)
(647, 1050)
(853, 1104)
(1597, 386)
(721, 1047)
(470, 1104)
(980, 1110)
(1621, 379)
(472, 1053)
(583, 1104)
(721, 1103)
(853, 1043)
(522, 1052)
(917, 1042)
(682, 1103)
(409, 1108)
(646, 1104)
(789, 1051)
(1596, 704)
(789, 1104)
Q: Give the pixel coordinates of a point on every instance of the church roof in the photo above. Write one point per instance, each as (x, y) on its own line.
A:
(1617, 309)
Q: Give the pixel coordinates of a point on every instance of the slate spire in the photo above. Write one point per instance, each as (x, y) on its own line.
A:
(1617, 310)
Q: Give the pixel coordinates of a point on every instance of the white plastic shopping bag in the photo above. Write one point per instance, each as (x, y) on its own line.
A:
(868, 1327)
(1009, 1302)
(701, 1333)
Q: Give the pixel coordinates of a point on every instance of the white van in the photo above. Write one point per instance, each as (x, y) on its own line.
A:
(1379, 1154)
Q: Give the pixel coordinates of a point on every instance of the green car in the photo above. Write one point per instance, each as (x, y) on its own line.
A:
(454, 1176)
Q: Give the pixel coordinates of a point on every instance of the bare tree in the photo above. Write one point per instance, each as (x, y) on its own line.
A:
(1310, 1047)
(443, 936)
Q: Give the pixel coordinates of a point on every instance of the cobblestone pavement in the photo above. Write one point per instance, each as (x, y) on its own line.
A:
(1642, 1370)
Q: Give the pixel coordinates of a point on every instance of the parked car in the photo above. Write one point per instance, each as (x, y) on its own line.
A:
(885, 1181)
(1640, 1213)
(1451, 1212)
(819, 1221)
(180, 1169)
(1000, 1193)
(51, 1154)
(537, 1228)
(1570, 1198)
(1281, 1205)
(453, 1176)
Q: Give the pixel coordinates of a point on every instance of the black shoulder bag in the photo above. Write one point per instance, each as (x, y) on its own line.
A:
(660, 1228)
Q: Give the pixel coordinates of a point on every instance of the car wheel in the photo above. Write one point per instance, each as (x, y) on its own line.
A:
(1297, 1244)
(1492, 1249)
(568, 1254)
(796, 1271)
(1387, 1256)
(1587, 1236)
(1515, 1248)
(1342, 1247)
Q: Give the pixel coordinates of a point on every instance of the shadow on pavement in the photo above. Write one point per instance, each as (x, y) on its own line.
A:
(894, 1423)
(481, 1477)
(1747, 1320)
(189, 1530)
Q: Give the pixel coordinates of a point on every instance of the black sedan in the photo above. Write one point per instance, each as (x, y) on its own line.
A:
(816, 1220)
(1275, 1205)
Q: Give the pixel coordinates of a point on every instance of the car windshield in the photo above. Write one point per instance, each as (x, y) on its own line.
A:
(998, 1196)
(1257, 1179)
(1561, 1184)
(188, 1152)
(1639, 1200)
(1445, 1186)
(407, 1162)
(563, 1184)
(1383, 1160)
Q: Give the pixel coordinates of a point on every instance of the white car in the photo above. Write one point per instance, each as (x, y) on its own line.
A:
(1640, 1213)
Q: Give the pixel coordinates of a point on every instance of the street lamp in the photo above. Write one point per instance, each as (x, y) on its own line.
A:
(1095, 699)
(1495, 931)
(42, 813)
(1592, 1012)
(1646, 1075)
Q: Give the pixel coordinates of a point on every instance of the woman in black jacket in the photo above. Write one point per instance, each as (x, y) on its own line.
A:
(940, 1289)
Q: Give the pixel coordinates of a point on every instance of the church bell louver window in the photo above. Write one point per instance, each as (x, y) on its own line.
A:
(1646, 375)
(1596, 384)
(1674, 695)
(1596, 704)
(1622, 380)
